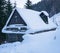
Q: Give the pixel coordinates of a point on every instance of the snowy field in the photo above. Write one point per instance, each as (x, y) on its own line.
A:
(47, 42)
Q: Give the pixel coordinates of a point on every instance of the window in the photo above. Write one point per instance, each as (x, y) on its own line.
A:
(44, 17)
(16, 17)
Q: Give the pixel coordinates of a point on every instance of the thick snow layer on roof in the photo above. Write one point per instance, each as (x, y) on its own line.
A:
(48, 42)
(33, 20)
(56, 19)
(45, 13)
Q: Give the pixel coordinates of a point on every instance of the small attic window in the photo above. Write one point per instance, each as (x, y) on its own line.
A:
(44, 17)
(15, 16)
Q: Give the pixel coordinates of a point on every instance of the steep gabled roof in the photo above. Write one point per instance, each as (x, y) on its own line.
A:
(32, 19)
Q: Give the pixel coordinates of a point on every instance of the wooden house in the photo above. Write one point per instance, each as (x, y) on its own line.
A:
(23, 21)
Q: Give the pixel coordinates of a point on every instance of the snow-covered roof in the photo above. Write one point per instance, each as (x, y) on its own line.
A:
(45, 13)
(32, 19)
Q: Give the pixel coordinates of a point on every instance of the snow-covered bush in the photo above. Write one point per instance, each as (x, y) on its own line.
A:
(56, 19)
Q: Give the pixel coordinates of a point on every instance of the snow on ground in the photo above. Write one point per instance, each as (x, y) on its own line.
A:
(56, 18)
(37, 43)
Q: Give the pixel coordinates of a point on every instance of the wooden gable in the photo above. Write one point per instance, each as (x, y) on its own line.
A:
(16, 19)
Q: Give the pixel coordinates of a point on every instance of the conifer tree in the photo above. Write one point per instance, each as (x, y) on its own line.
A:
(28, 4)
(2, 16)
(9, 8)
(15, 4)
(5, 10)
